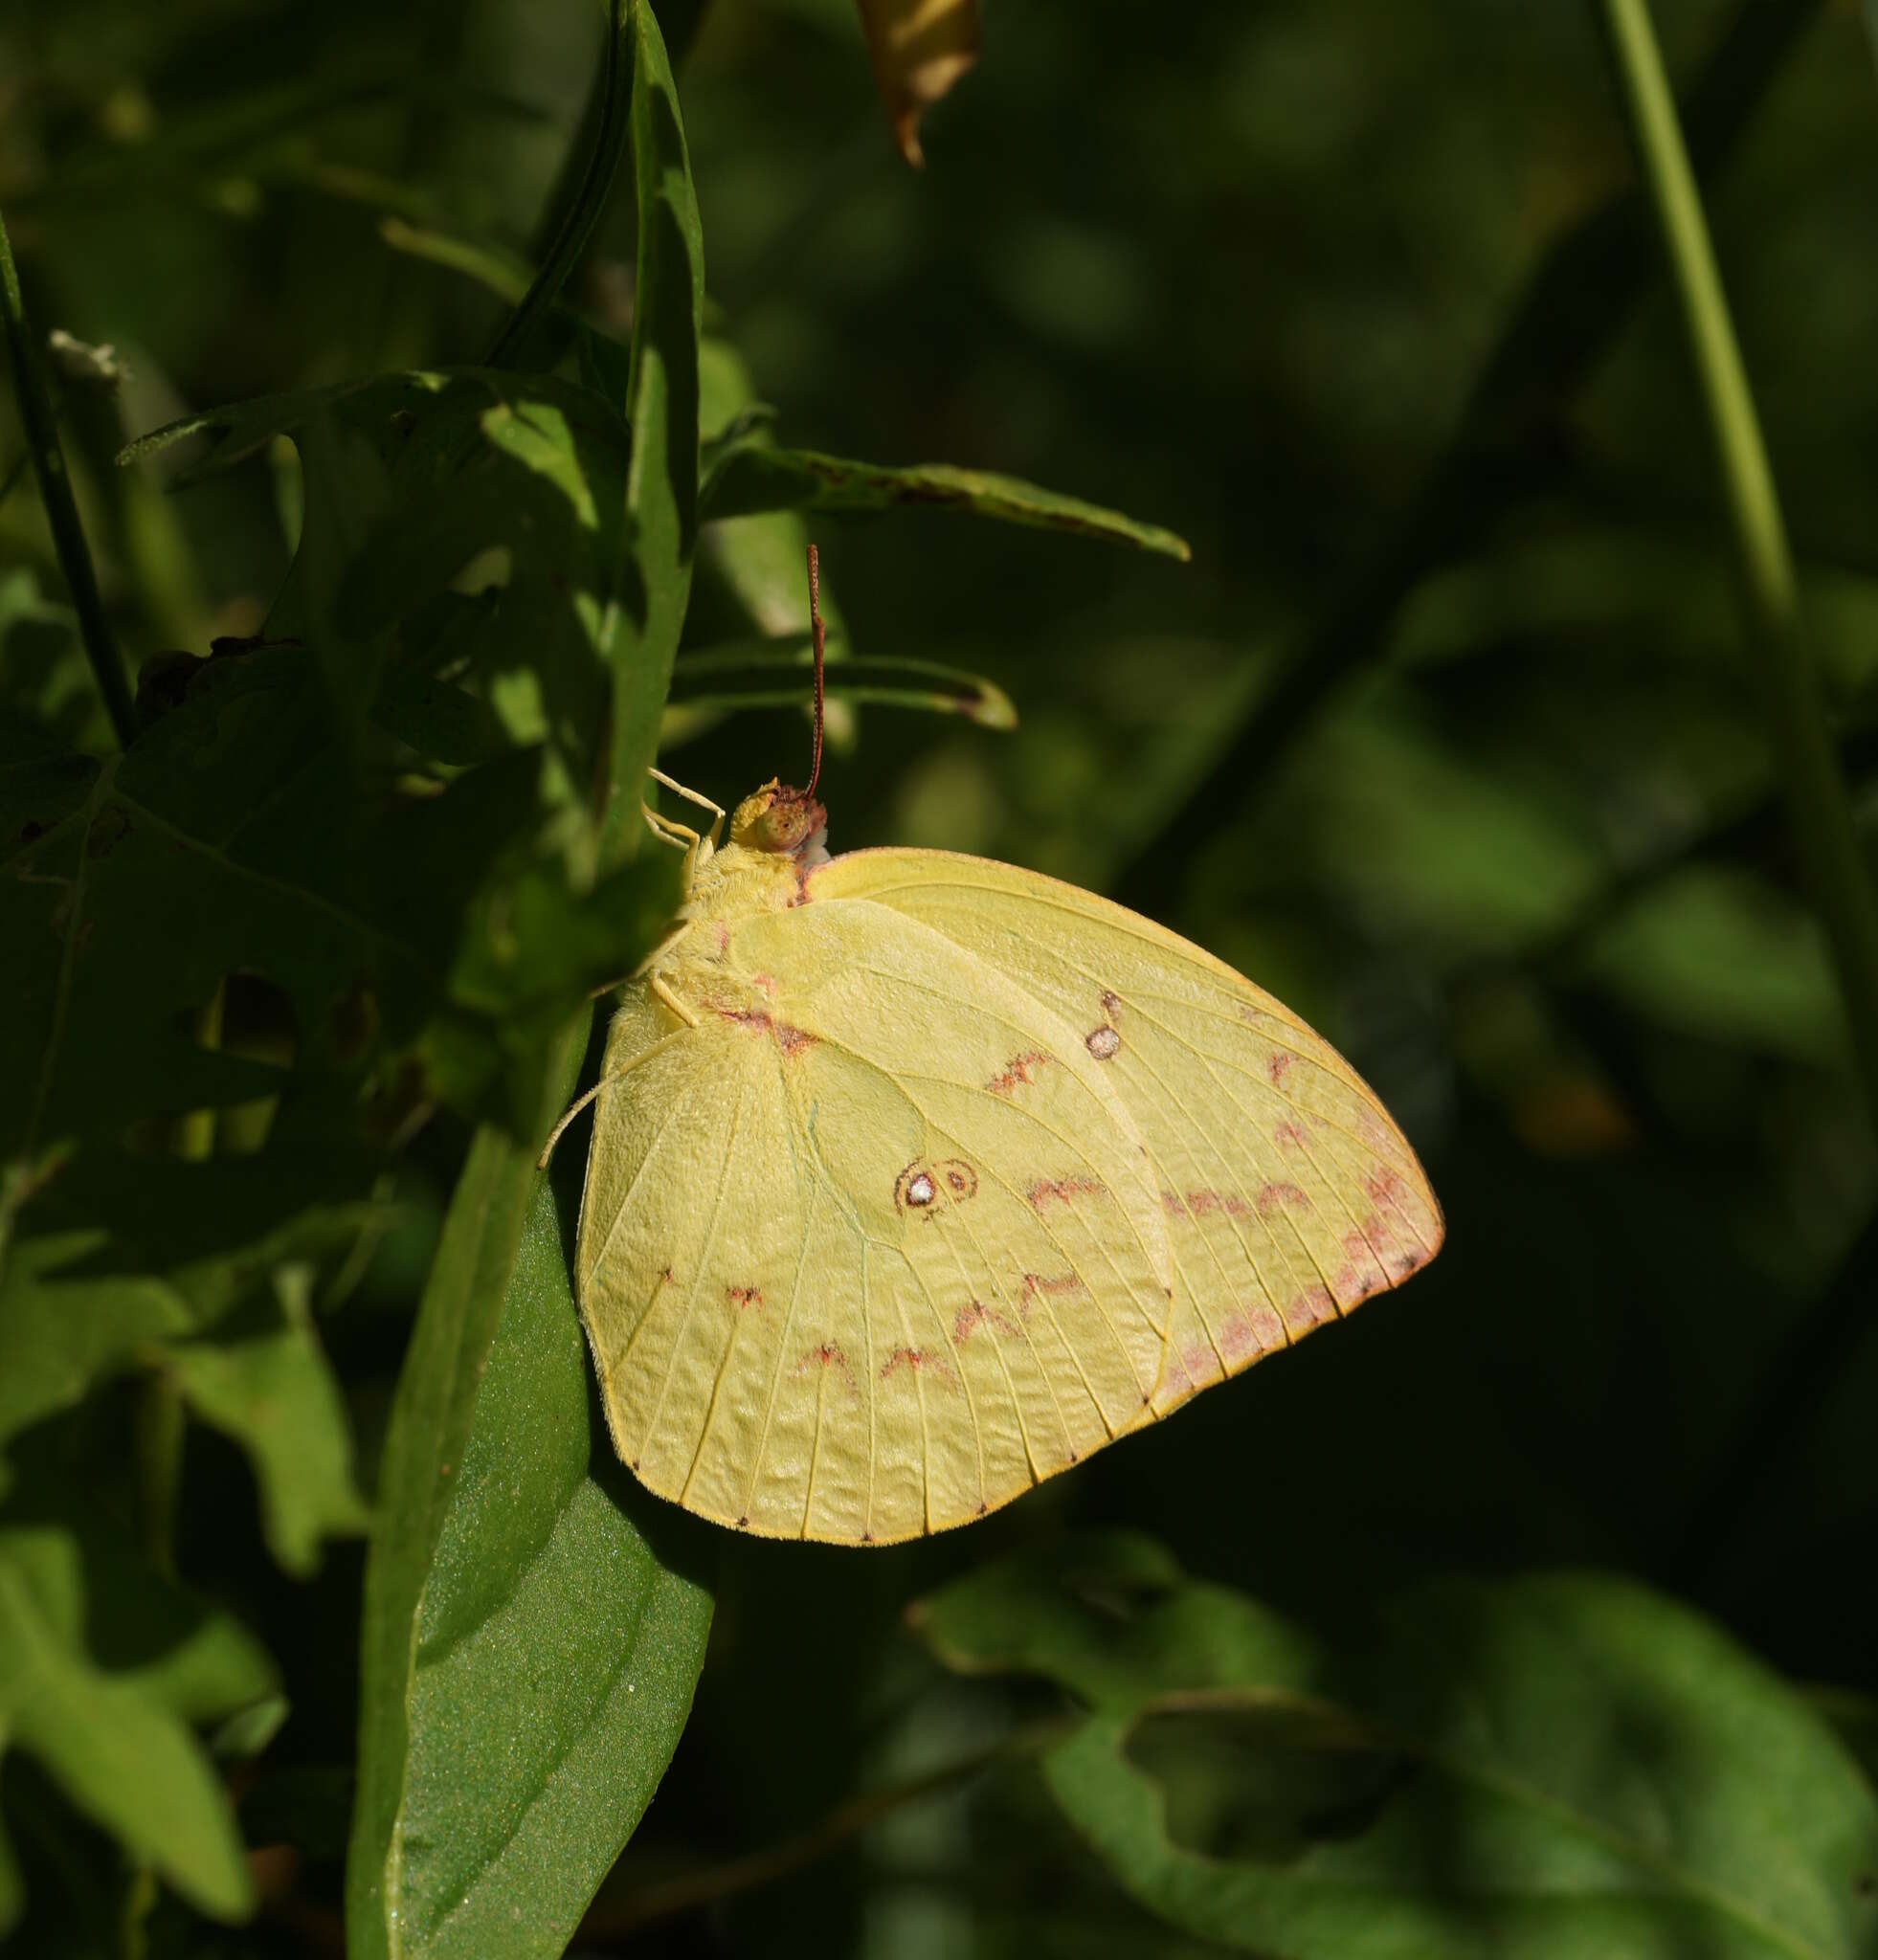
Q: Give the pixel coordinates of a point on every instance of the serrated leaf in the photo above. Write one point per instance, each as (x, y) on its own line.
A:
(530, 1652)
(233, 837)
(749, 475)
(1552, 1767)
(102, 1671)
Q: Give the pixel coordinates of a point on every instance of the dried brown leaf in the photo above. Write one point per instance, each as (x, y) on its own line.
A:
(920, 47)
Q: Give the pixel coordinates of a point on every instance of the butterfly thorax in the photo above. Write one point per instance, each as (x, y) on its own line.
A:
(777, 837)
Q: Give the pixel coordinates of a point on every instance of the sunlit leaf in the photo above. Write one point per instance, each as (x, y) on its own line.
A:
(113, 1262)
(269, 1388)
(532, 1636)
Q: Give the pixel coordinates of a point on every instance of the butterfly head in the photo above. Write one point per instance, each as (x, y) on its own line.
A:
(788, 823)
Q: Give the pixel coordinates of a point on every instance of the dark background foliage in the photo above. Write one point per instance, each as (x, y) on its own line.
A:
(1446, 735)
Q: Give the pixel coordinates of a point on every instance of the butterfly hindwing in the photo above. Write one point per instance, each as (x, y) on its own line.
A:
(873, 1247)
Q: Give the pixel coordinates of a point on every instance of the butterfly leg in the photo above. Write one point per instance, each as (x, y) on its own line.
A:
(678, 788)
(660, 991)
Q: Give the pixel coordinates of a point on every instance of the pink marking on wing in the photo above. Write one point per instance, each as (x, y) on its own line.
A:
(1198, 1203)
(970, 1319)
(743, 1296)
(791, 1039)
(1033, 1284)
(722, 941)
(1278, 1065)
(1200, 1365)
(1170, 1204)
(1291, 1135)
(1064, 1189)
(1313, 1306)
(765, 982)
(825, 1357)
(1111, 1003)
(914, 1358)
(1019, 1073)
(1275, 1196)
(1385, 1186)
(1237, 1340)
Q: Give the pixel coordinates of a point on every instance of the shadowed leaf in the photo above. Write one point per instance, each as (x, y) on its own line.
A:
(1558, 1766)
(748, 477)
(776, 673)
(103, 1669)
(662, 394)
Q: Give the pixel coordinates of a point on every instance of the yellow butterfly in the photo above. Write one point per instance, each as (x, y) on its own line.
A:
(915, 1177)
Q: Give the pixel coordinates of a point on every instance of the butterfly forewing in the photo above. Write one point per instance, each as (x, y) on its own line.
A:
(1287, 1193)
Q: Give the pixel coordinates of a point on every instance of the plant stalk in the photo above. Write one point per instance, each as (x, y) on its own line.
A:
(847, 1820)
(1819, 808)
(35, 415)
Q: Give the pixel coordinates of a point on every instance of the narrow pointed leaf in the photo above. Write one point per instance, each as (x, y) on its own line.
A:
(748, 477)
(661, 482)
(778, 673)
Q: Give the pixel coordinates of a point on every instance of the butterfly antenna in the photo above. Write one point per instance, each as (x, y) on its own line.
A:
(820, 635)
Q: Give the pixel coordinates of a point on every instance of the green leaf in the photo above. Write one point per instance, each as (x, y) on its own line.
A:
(775, 672)
(103, 1670)
(1552, 1767)
(271, 1390)
(1726, 956)
(1114, 1618)
(662, 394)
(750, 476)
(531, 1647)
(234, 836)
(618, 75)
(115, 1261)
(462, 539)
(488, 265)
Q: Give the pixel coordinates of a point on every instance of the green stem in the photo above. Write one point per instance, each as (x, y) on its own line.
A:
(615, 92)
(1819, 808)
(158, 1424)
(35, 415)
(604, 1927)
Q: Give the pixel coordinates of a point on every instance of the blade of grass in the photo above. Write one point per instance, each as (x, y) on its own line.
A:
(1557, 331)
(1819, 808)
(35, 415)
